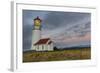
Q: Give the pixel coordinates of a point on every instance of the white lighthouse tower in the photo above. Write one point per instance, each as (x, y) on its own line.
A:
(36, 32)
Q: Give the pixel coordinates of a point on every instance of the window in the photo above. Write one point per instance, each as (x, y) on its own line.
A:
(37, 47)
(42, 47)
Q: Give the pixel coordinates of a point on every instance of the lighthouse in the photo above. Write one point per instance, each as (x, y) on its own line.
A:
(36, 31)
(39, 43)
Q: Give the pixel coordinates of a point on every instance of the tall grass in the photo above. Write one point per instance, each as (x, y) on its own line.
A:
(73, 54)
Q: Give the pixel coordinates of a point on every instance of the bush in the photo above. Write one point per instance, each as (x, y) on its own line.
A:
(55, 48)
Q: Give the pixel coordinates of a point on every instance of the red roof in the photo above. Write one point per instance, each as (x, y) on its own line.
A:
(43, 41)
(50, 42)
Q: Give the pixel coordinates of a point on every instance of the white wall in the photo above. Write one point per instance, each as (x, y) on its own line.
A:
(36, 36)
(44, 47)
(5, 38)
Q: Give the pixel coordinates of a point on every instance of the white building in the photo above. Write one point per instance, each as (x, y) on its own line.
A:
(39, 44)
(44, 45)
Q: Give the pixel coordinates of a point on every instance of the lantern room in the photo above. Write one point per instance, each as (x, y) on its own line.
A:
(37, 21)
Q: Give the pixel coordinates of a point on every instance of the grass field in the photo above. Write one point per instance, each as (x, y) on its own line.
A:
(73, 54)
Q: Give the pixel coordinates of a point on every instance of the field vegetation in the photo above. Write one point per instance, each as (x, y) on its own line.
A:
(57, 55)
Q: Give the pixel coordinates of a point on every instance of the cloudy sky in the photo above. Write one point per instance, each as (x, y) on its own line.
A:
(66, 29)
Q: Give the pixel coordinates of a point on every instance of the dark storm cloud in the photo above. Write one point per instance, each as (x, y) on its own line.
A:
(27, 35)
(26, 30)
(81, 29)
(59, 26)
(57, 19)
